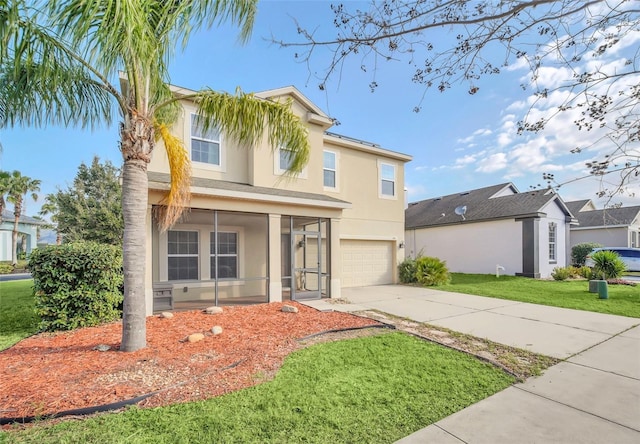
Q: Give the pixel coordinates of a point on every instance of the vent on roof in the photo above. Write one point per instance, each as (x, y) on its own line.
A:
(465, 193)
(413, 203)
(437, 198)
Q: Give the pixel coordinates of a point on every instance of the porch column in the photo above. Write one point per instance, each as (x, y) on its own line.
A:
(148, 275)
(336, 259)
(275, 259)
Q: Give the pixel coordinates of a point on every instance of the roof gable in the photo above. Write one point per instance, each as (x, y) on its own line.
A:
(623, 216)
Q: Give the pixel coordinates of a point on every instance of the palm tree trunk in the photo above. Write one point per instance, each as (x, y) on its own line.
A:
(14, 235)
(137, 143)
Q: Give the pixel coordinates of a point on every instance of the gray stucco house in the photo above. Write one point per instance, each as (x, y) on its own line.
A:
(492, 228)
(611, 227)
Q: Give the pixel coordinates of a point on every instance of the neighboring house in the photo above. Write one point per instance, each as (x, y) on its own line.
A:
(477, 231)
(27, 229)
(255, 235)
(611, 227)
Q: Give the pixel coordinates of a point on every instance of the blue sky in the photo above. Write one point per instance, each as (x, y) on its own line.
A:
(458, 142)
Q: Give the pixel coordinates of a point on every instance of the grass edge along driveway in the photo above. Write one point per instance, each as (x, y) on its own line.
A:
(624, 300)
(371, 389)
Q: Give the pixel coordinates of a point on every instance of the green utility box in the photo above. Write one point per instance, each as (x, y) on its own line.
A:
(603, 290)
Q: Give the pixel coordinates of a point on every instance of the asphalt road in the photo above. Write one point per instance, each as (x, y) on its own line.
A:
(14, 277)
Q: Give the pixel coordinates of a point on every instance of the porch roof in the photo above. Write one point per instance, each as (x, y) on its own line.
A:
(233, 190)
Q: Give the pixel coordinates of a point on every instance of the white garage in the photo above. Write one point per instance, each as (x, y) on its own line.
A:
(367, 262)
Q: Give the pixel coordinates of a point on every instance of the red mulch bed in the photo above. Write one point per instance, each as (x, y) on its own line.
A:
(49, 373)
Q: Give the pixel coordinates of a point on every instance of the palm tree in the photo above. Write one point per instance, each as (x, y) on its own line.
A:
(4, 187)
(59, 64)
(19, 187)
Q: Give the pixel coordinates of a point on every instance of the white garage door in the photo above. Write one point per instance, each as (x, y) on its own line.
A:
(366, 263)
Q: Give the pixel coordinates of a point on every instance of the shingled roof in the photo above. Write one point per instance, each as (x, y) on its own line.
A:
(221, 185)
(8, 216)
(609, 217)
(577, 205)
(481, 205)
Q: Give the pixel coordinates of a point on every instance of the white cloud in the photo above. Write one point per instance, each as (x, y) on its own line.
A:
(493, 163)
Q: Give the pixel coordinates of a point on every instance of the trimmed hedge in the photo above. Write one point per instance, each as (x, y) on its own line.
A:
(579, 252)
(77, 285)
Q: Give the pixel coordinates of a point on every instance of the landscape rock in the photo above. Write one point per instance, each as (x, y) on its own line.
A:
(213, 310)
(195, 337)
(166, 315)
(289, 309)
(102, 347)
(216, 330)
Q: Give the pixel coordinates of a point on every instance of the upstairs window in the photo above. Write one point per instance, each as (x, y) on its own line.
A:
(205, 145)
(286, 159)
(552, 241)
(387, 180)
(330, 169)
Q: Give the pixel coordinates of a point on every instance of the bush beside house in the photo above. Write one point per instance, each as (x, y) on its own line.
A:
(77, 284)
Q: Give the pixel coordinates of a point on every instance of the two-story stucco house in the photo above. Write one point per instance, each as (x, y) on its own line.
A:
(254, 234)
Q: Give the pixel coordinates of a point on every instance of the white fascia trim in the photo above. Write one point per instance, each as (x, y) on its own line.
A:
(600, 227)
(257, 197)
(367, 238)
(366, 148)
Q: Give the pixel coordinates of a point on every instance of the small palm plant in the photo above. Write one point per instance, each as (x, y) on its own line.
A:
(607, 264)
(432, 271)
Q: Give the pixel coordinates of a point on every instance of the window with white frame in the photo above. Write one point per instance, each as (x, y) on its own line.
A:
(286, 159)
(330, 169)
(205, 145)
(387, 180)
(182, 255)
(552, 241)
(227, 254)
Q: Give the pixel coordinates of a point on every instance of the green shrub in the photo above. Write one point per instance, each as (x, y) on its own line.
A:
(607, 265)
(432, 271)
(6, 268)
(561, 273)
(407, 271)
(579, 252)
(585, 272)
(77, 285)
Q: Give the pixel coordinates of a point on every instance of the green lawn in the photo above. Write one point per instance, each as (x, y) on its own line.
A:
(623, 300)
(17, 316)
(374, 389)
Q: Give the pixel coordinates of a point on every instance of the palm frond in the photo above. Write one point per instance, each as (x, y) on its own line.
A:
(44, 80)
(245, 118)
(178, 196)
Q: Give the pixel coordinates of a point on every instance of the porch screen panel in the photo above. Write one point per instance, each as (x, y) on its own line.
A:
(242, 257)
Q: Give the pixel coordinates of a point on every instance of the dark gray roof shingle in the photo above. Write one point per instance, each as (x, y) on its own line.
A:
(577, 205)
(9, 216)
(480, 206)
(607, 217)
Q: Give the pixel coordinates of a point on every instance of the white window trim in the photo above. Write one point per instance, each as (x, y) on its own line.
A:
(204, 165)
(395, 180)
(553, 227)
(280, 172)
(168, 255)
(203, 252)
(337, 161)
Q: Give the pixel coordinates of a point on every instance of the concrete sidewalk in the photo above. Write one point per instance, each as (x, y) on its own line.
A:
(591, 397)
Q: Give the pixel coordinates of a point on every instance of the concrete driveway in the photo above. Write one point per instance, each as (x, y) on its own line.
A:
(593, 396)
